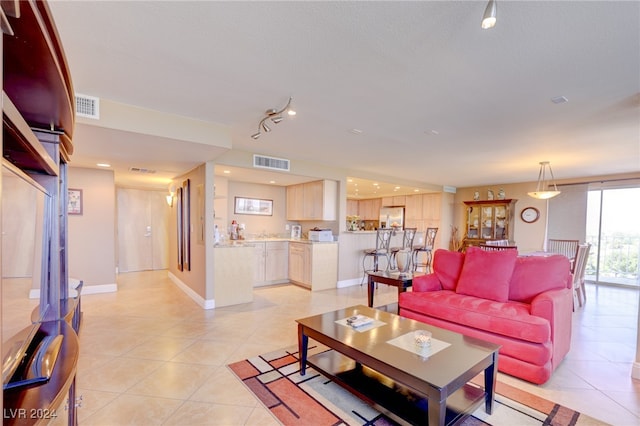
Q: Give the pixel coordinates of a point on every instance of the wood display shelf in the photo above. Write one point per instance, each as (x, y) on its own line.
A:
(393, 399)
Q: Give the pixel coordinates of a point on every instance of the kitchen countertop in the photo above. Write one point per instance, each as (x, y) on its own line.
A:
(245, 243)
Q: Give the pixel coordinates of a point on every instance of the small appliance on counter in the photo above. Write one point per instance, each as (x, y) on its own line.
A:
(296, 232)
(317, 234)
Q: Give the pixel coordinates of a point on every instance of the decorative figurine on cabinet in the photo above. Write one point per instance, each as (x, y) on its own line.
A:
(490, 194)
(501, 194)
(476, 196)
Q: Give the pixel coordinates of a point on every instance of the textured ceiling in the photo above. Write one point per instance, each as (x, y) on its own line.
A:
(437, 99)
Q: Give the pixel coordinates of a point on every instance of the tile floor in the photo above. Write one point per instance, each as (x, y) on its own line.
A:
(150, 355)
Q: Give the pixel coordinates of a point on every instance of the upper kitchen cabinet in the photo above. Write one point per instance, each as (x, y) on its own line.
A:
(352, 207)
(312, 200)
(396, 201)
(370, 209)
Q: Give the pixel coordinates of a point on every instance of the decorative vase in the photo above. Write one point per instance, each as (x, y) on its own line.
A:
(403, 260)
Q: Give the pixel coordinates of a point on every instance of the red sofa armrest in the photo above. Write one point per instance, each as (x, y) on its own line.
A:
(557, 307)
(428, 282)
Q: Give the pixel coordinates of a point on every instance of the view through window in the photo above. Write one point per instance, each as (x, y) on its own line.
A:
(613, 229)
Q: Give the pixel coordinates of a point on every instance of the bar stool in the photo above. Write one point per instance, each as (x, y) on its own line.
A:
(427, 248)
(383, 238)
(407, 243)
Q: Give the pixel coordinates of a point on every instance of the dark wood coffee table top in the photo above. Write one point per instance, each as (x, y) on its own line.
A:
(437, 376)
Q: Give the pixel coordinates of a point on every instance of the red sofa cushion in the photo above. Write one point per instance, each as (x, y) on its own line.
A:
(447, 266)
(510, 319)
(486, 274)
(533, 275)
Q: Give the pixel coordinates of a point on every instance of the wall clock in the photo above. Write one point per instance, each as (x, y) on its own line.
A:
(530, 214)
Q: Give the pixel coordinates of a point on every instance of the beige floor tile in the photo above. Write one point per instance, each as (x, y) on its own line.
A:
(200, 413)
(134, 410)
(206, 352)
(173, 380)
(223, 387)
(160, 348)
(117, 375)
(260, 416)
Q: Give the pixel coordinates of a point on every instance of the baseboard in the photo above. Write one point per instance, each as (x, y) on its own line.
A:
(34, 293)
(349, 283)
(204, 303)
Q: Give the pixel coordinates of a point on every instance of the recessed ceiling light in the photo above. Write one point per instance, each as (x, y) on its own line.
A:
(226, 172)
(350, 180)
(432, 132)
(559, 100)
(103, 165)
(356, 131)
(272, 181)
(396, 188)
(416, 190)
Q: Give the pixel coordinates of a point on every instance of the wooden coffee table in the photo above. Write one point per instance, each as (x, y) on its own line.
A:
(400, 280)
(409, 385)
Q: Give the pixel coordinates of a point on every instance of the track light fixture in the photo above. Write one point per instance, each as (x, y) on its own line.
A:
(490, 15)
(275, 116)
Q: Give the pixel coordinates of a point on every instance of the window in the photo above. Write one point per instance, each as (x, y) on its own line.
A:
(613, 229)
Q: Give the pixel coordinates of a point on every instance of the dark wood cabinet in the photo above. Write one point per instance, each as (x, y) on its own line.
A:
(38, 117)
(489, 220)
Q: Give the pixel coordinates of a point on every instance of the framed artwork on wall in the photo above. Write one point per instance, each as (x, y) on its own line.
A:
(74, 203)
(253, 206)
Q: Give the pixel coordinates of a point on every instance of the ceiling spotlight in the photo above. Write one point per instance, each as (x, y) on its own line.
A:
(490, 14)
(275, 116)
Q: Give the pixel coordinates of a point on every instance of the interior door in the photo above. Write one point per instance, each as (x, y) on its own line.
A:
(143, 240)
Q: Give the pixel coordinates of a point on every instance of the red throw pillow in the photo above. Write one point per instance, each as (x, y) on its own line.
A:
(447, 266)
(486, 274)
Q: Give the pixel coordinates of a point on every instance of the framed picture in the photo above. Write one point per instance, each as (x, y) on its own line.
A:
(253, 206)
(74, 204)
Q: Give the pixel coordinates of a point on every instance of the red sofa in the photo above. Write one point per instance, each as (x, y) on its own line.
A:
(523, 303)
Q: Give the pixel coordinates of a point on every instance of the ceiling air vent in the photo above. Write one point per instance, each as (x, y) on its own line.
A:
(87, 106)
(141, 170)
(272, 163)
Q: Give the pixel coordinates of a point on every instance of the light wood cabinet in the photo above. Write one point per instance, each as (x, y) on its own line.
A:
(431, 207)
(312, 200)
(396, 201)
(353, 208)
(314, 266)
(413, 207)
(270, 263)
(370, 209)
(489, 220)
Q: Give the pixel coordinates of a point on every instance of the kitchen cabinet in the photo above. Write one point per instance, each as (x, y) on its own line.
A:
(314, 266)
(396, 201)
(312, 200)
(489, 220)
(370, 209)
(353, 208)
(271, 260)
(413, 207)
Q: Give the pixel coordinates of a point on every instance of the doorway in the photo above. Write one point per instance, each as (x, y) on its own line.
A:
(143, 222)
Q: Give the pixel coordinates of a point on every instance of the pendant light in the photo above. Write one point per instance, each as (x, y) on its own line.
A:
(541, 192)
(490, 15)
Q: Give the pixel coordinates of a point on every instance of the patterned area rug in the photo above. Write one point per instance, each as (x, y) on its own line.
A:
(315, 400)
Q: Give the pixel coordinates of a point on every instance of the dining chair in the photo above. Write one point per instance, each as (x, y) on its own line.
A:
(407, 243)
(579, 293)
(427, 248)
(497, 242)
(568, 248)
(490, 247)
(383, 238)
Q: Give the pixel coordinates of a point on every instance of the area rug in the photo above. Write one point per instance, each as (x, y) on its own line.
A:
(314, 400)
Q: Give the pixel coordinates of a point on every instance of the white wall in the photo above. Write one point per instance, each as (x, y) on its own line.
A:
(92, 235)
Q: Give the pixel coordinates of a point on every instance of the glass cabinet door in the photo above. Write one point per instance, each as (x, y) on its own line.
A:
(501, 231)
(473, 222)
(487, 222)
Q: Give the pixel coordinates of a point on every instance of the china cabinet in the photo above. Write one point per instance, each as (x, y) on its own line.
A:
(489, 220)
